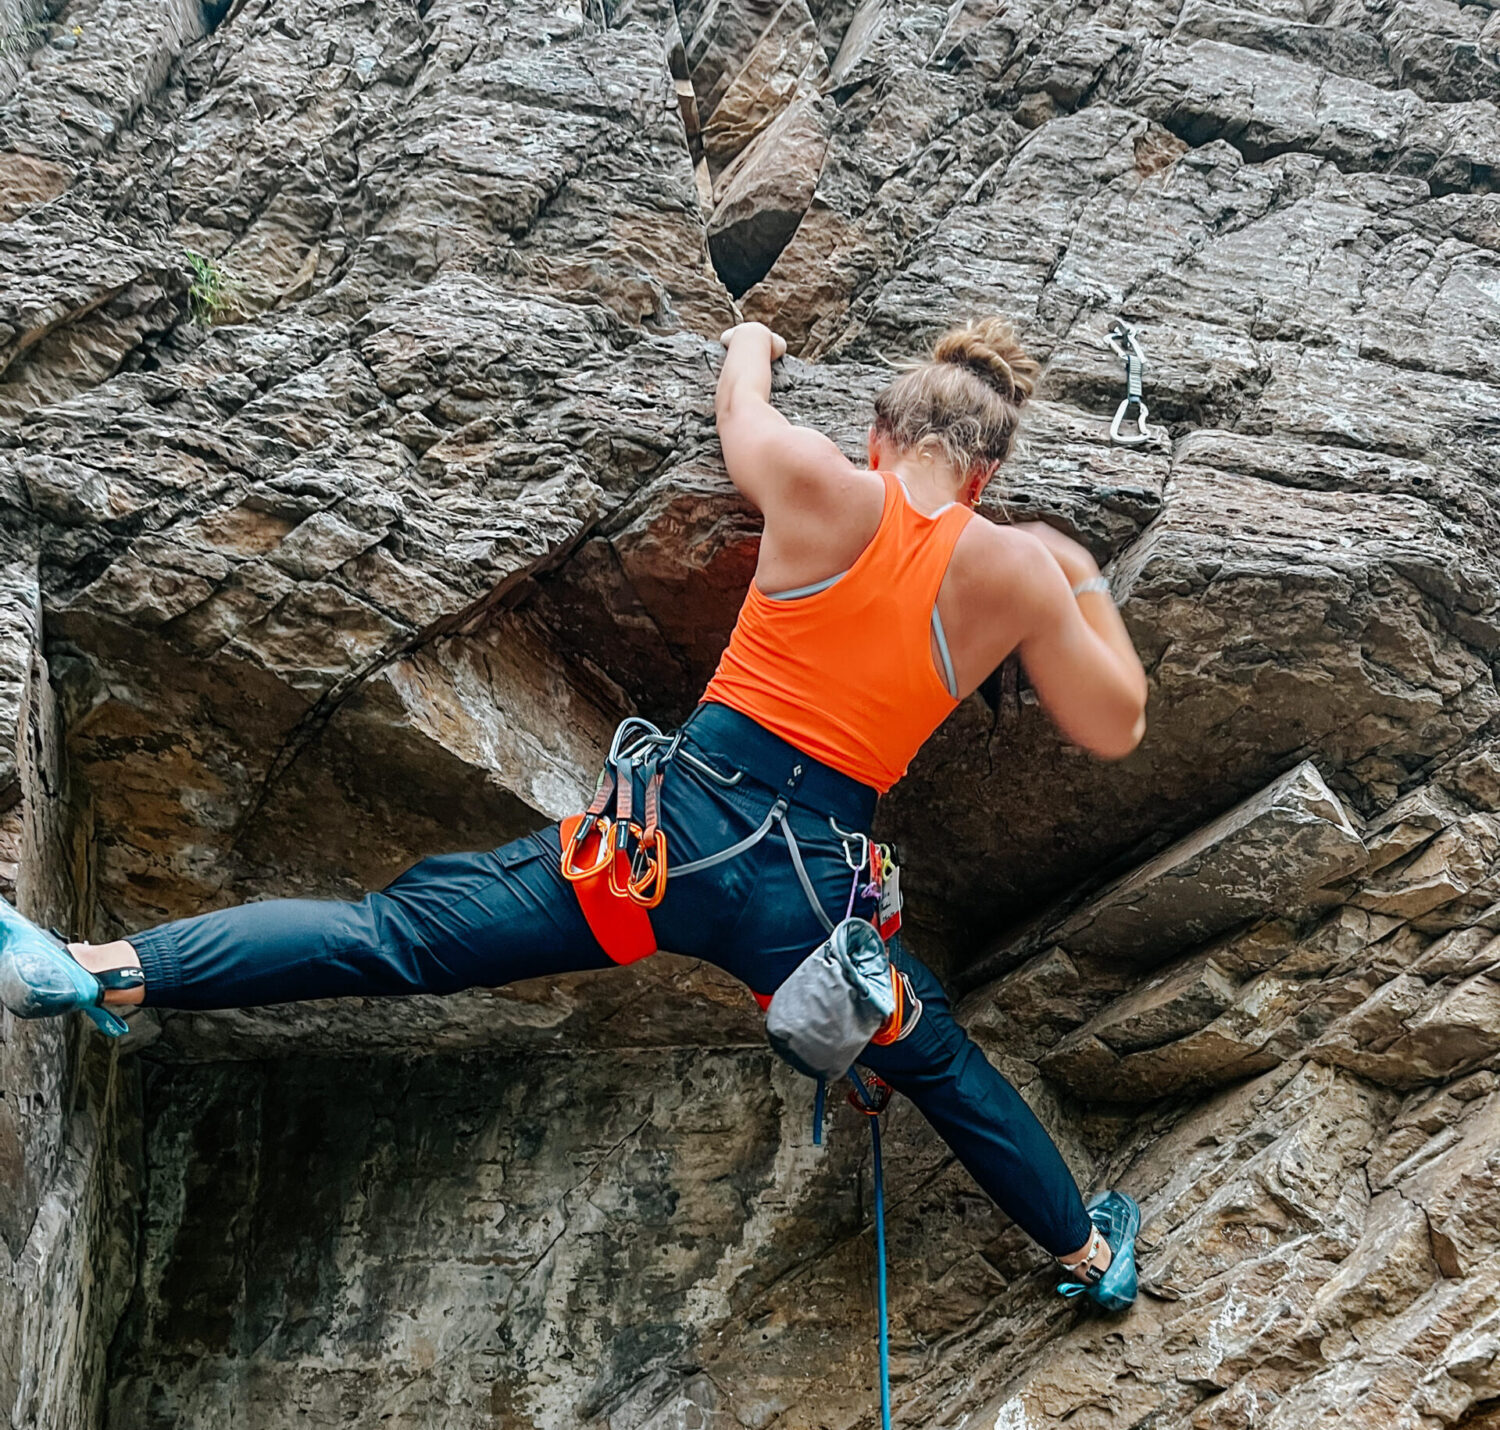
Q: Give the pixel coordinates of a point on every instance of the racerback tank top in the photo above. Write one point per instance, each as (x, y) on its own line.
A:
(845, 673)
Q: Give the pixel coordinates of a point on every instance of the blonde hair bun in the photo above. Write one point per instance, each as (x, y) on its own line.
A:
(966, 402)
(989, 348)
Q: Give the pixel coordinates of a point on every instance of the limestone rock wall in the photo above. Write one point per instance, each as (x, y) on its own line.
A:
(357, 473)
(70, 1139)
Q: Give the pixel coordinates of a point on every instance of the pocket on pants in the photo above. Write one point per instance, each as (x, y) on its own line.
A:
(523, 850)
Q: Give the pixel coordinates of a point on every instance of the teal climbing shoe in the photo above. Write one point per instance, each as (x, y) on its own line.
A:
(1118, 1219)
(39, 978)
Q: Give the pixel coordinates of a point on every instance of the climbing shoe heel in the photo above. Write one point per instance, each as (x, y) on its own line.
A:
(110, 1024)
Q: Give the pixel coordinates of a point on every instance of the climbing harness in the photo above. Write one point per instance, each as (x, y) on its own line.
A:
(618, 866)
(1123, 340)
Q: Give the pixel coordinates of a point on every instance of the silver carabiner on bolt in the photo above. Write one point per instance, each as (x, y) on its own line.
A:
(1122, 339)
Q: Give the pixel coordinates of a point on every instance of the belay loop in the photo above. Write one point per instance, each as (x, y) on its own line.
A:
(1133, 406)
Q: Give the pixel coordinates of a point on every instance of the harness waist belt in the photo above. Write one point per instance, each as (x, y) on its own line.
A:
(598, 858)
(718, 731)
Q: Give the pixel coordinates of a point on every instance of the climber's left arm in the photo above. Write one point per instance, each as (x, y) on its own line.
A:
(773, 463)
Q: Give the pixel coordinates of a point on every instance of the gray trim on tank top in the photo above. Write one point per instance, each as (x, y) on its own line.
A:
(796, 593)
(949, 678)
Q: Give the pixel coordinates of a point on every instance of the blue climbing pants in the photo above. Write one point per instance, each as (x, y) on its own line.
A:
(464, 920)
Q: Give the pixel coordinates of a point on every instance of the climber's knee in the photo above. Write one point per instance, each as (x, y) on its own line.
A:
(388, 939)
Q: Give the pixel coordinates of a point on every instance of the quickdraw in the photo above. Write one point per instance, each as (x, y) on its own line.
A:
(642, 874)
(1122, 339)
(616, 865)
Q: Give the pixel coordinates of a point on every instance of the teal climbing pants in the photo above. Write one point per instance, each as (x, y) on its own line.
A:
(485, 919)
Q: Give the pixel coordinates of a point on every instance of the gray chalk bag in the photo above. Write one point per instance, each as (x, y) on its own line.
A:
(821, 1019)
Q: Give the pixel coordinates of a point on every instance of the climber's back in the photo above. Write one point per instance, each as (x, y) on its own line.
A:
(879, 598)
(842, 667)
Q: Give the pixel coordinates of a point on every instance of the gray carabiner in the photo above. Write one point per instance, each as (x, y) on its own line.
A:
(1122, 339)
(1122, 415)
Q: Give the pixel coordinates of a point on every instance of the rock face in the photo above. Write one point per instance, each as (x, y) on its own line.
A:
(358, 473)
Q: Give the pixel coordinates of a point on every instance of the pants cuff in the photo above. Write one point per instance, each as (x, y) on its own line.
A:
(161, 962)
(1082, 1238)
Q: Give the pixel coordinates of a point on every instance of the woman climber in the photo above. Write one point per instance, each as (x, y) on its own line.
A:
(879, 601)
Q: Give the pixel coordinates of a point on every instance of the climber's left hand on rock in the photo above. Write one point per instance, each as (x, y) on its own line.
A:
(778, 343)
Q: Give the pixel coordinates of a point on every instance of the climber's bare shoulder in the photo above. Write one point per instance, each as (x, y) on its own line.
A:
(820, 510)
(1004, 587)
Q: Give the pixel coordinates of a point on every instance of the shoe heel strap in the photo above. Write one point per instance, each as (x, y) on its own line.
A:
(1087, 1273)
(121, 980)
(1090, 1274)
(106, 1022)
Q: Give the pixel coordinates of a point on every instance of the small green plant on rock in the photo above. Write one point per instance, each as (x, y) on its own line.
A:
(211, 289)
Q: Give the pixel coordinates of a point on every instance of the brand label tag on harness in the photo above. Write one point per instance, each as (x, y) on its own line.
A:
(888, 915)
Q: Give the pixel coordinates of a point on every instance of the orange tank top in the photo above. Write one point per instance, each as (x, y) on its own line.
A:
(845, 672)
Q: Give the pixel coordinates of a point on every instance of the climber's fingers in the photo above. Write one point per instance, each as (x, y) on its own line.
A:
(778, 343)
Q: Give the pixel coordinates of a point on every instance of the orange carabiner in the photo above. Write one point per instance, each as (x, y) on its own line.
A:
(890, 1030)
(650, 888)
(604, 828)
(619, 869)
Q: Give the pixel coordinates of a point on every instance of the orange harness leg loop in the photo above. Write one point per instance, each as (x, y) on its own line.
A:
(622, 926)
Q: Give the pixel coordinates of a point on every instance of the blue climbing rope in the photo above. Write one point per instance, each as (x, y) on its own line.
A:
(871, 1108)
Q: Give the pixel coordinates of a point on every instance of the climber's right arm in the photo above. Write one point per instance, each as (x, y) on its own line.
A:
(1084, 669)
(777, 466)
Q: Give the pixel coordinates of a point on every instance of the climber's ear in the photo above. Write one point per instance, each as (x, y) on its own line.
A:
(981, 474)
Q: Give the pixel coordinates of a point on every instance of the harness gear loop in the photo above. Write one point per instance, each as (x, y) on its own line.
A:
(1123, 340)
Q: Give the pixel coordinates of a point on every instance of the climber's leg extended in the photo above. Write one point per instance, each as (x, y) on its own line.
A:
(1006, 1149)
(450, 922)
(982, 1118)
(753, 917)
